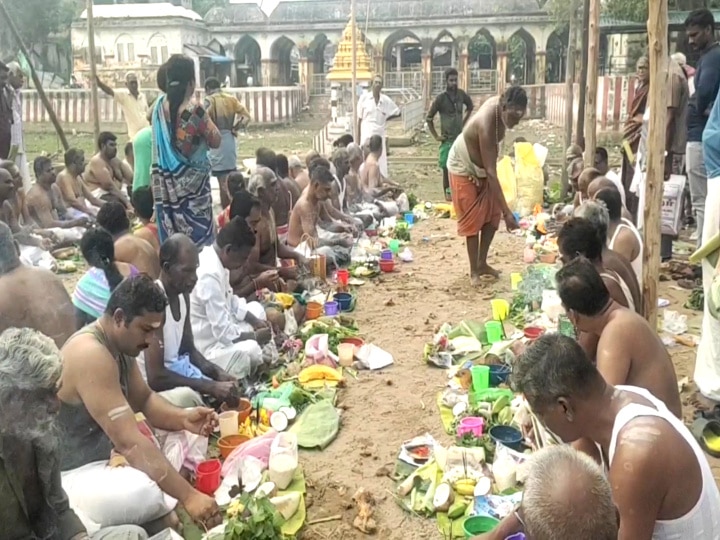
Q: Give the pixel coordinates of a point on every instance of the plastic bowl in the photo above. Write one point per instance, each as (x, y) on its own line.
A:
(230, 443)
(507, 436)
(498, 374)
(387, 266)
(207, 476)
(533, 332)
(344, 300)
(371, 233)
(475, 525)
(332, 308)
(386, 255)
(313, 311)
(354, 340)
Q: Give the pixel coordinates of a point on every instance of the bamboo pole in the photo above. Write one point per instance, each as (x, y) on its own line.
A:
(93, 70)
(580, 128)
(592, 83)
(36, 80)
(356, 135)
(569, 95)
(657, 26)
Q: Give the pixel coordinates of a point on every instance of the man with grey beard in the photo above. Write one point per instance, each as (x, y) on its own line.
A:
(34, 504)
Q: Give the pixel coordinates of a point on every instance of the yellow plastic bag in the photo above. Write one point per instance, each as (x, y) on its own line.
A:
(529, 179)
(506, 176)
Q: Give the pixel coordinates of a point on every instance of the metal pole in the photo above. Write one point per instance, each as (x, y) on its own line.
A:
(93, 70)
(356, 135)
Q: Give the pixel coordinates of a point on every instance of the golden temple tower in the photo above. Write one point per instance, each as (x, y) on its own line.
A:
(341, 71)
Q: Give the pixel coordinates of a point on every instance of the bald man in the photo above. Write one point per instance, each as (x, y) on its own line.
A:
(605, 183)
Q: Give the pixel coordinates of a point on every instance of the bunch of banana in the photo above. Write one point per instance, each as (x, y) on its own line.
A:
(319, 373)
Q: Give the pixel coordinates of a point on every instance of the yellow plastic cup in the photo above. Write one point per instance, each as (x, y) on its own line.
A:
(515, 280)
(500, 309)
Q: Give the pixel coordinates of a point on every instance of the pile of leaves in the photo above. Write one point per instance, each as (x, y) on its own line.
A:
(257, 519)
(337, 329)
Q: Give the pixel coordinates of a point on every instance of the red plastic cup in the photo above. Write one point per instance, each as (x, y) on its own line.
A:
(343, 276)
(207, 476)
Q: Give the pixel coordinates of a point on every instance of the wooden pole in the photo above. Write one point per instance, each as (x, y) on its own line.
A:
(569, 95)
(36, 80)
(354, 123)
(580, 128)
(657, 26)
(93, 70)
(592, 83)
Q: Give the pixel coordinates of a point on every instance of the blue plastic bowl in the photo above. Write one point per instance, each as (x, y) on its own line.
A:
(498, 374)
(508, 436)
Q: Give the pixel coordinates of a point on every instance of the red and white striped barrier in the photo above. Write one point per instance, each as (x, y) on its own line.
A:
(267, 105)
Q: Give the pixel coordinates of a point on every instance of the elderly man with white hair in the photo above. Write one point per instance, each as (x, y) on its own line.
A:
(566, 497)
(133, 103)
(34, 504)
(16, 80)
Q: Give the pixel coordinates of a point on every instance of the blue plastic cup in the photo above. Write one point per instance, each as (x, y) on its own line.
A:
(409, 218)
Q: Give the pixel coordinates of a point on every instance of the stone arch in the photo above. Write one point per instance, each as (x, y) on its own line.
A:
(158, 48)
(216, 46)
(402, 50)
(284, 54)
(556, 56)
(521, 58)
(248, 65)
(444, 51)
(482, 51)
(124, 49)
(316, 53)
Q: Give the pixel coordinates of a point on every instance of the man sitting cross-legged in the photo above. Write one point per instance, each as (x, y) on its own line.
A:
(129, 248)
(102, 391)
(34, 504)
(662, 484)
(75, 193)
(172, 360)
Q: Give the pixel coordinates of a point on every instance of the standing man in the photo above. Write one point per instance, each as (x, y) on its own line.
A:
(133, 103)
(6, 112)
(700, 30)
(16, 79)
(476, 193)
(229, 116)
(374, 110)
(449, 105)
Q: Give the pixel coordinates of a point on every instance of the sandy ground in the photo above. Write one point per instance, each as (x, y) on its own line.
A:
(399, 312)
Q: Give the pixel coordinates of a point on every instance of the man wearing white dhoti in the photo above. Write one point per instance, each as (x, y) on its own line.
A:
(374, 110)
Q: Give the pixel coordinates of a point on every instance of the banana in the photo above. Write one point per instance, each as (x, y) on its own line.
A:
(319, 373)
(465, 487)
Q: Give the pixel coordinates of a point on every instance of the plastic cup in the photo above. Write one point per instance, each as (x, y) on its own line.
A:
(331, 308)
(471, 424)
(229, 423)
(409, 218)
(343, 276)
(500, 309)
(480, 377)
(494, 331)
(515, 280)
(207, 476)
(346, 354)
(394, 246)
(386, 255)
(344, 300)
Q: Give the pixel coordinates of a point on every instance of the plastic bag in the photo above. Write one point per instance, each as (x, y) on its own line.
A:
(506, 177)
(317, 351)
(672, 204)
(529, 179)
(259, 448)
(283, 459)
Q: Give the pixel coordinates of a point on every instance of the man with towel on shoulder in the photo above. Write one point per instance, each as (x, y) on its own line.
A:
(476, 193)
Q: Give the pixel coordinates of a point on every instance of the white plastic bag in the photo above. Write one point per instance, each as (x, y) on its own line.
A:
(283, 459)
(672, 204)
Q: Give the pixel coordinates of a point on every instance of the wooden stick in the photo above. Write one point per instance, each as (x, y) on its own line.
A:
(35, 78)
(324, 520)
(580, 128)
(569, 95)
(657, 26)
(353, 79)
(592, 83)
(93, 70)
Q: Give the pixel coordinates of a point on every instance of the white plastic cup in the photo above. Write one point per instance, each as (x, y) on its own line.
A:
(229, 424)
(346, 354)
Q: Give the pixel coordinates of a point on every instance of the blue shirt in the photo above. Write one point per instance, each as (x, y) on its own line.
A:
(707, 81)
(711, 142)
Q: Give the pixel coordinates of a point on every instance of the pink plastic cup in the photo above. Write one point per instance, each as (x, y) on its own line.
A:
(471, 424)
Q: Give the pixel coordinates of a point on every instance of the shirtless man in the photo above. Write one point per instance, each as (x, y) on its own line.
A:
(32, 297)
(372, 182)
(19, 205)
(586, 177)
(104, 175)
(303, 177)
(629, 351)
(46, 207)
(296, 168)
(622, 236)
(282, 202)
(75, 193)
(353, 193)
(129, 248)
(605, 183)
(662, 484)
(142, 201)
(28, 235)
(476, 193)
(283, 172)
(311, 211)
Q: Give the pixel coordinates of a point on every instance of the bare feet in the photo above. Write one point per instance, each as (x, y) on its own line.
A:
(476, 280)
(487, 270)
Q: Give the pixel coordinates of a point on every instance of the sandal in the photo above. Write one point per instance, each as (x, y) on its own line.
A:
(707, 433)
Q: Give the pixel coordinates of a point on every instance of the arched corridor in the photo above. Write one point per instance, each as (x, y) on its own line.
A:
(248, 62)
(482, 62)
(556, 57)
(521, 58)
(444, 55)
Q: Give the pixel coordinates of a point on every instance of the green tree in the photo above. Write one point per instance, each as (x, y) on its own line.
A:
(35, 20)
(636, 10)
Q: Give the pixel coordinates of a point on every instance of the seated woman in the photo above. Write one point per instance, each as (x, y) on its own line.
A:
(93, 291)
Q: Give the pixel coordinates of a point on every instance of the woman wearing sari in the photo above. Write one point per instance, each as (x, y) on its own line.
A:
(182, 134)
(632, 131)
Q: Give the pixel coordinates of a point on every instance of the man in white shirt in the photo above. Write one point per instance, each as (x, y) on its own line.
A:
(228, 331)
(16, 80)
(374, 110)
(133, 103)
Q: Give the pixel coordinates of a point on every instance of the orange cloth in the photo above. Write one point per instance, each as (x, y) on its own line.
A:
(475, 206)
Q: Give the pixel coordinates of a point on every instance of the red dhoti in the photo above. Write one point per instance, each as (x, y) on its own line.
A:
(475, 205)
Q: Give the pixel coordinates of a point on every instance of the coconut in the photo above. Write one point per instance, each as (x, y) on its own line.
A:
(483, 487)
(268, 489)
(278, 421)
(443, 498)
(289, 412)
(459, 408)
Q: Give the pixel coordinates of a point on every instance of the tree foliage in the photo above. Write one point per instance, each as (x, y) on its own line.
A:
(35, 20)
(637, 10)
